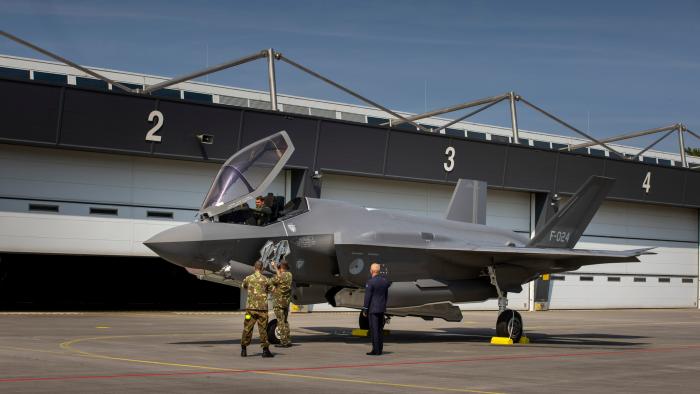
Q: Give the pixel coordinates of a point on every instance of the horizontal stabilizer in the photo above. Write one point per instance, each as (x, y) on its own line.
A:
(468, 202)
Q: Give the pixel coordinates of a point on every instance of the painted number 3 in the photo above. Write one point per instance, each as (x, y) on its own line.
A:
(449, 165)
(151, 134)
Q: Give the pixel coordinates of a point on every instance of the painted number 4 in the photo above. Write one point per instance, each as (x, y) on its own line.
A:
(646, 185)
(449, 165)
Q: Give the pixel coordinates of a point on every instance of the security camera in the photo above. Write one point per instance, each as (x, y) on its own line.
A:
(205, 138)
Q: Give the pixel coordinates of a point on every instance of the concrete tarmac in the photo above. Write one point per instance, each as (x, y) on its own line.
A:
(641, 351)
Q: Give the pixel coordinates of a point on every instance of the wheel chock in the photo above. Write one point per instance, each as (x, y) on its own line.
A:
(507, 341)
(358, 332)
(501, 341)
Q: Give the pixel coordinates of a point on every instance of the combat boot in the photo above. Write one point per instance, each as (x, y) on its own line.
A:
(266, 353)
(244, 353)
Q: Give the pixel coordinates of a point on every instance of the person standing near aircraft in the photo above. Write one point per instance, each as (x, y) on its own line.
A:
(258, 287)
(281, 296)
(376, 291)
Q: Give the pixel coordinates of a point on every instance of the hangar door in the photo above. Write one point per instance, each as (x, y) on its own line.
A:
(668, 279)
(509, 210)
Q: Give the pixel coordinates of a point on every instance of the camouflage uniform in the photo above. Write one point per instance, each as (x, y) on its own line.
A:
(282, 294)
(258, 287)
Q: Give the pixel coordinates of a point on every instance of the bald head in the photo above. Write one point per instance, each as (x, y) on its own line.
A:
(374, 269)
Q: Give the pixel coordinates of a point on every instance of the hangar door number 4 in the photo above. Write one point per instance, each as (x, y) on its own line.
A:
(646, 183)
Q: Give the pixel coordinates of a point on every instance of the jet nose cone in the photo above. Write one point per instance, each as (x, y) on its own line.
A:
(179, 245)
(184, 233)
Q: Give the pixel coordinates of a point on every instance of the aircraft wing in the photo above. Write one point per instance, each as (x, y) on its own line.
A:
(482, 256)
(515, 265)
(565, 254)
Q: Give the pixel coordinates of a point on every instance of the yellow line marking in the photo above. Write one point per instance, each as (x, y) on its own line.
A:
(102, 327)
(24, 349)
(68, 346)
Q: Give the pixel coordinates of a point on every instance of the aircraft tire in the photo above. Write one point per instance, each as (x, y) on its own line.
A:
(363, 322)
(272, 334)
(509, 325)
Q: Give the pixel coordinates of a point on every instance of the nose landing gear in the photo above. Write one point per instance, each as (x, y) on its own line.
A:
(509, 325)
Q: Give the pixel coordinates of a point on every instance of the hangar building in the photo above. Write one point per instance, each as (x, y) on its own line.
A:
(84, 180)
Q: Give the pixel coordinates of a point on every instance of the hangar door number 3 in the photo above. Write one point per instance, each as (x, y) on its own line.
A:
(449, 165)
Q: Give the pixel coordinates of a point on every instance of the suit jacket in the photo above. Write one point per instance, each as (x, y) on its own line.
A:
(376, 292)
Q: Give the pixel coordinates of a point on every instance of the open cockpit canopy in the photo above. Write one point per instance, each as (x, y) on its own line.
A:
(249, 172)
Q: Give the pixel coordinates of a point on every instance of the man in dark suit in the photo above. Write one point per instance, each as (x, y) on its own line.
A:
(376, 291)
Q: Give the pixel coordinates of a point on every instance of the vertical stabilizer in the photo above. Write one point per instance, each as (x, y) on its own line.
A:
(565, 228)
(468, 202)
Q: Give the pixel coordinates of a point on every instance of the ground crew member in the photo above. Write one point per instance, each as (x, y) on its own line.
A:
(258, 287)
(281, 296)
(376, 292)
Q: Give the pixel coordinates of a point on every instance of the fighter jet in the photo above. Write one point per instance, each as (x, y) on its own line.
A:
(432, 263)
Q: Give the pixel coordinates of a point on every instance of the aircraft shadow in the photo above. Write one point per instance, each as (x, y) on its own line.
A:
(593, 339)
(445, 335)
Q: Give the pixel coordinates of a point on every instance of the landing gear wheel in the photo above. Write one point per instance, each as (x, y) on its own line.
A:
(273, 334)
(509, 325)
(363, 322)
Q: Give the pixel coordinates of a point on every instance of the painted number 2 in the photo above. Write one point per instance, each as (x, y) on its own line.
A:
(646, 184)
(151, 135)
(449, 165)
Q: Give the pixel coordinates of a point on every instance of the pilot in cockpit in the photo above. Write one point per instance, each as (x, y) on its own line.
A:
(263, 211)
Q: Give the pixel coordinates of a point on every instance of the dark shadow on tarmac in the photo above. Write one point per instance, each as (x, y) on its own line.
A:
(446, 335)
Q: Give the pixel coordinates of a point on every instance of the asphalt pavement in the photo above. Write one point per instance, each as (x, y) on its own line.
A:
(641, 351)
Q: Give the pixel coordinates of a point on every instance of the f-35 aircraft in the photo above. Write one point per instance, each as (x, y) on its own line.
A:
(330, 245)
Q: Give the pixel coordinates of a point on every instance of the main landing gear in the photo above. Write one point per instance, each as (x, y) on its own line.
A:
(509, 323)
(273, 333)
(363, 321)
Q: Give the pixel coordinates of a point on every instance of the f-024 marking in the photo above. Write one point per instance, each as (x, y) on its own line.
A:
(559, 236)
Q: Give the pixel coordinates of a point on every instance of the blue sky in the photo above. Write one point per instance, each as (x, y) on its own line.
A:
(605, 66)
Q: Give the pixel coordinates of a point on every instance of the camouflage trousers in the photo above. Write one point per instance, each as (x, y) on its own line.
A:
(251, 317)
(283, 324)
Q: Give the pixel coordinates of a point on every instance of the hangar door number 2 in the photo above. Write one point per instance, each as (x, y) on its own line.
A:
(159, 119)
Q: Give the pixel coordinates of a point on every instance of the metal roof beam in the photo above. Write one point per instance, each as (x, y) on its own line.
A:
(400, 120)
(346, 90)
(561, 122)
(65, 61)
(470, 114)
(205, 71)
(623, 137)
(635, 157)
